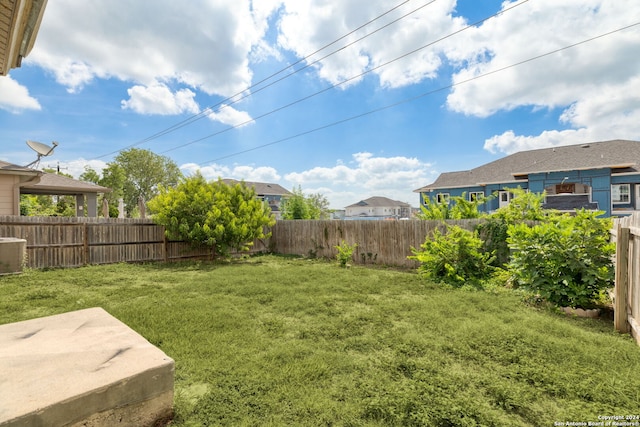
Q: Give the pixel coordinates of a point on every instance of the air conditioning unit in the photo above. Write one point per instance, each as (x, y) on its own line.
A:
(12, 255)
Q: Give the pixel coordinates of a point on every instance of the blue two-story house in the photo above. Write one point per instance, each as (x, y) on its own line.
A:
(597, 175)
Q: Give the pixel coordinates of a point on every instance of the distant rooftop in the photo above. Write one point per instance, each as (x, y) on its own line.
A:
(378, 202)
(623, 155)
(262, 188)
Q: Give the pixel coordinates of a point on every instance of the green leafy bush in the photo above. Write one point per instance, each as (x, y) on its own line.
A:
(456, 208)
(454, 257)
(212, 214)
(567, 261)
(524, 207)
(345, 253)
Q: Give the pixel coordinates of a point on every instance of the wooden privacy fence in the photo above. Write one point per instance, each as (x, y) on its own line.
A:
(72, 242)
(379, 242)
(626, 233)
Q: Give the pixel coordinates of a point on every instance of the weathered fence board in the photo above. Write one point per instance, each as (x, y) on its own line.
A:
(379, 242)
(72, 242)
(626, 233)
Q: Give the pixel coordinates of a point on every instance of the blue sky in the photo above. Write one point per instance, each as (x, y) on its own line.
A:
(106, 76)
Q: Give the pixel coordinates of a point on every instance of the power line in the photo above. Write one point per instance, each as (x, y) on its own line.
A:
(346, 80)
(234, 98)
(422, 95)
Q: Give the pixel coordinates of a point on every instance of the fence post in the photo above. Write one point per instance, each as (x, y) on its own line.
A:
(165, 246)
(85, 245)
(620, 318)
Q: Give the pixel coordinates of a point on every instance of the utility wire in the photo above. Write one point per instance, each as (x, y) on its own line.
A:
(234, 98)
(422, 95)
(227, 129)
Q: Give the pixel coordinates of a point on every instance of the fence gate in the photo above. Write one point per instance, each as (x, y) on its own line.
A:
(626, 234)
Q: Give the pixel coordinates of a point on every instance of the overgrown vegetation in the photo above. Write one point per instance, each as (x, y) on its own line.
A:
(275, 341)
(300, 206)
(134, 175)
(458, 207)
(564, 259)
(212, 214)
(454, 257)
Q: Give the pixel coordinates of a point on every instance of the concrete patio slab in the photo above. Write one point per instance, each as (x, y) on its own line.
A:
(83, 368)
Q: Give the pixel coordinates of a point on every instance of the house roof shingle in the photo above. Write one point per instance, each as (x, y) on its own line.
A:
(618, 154)
(378, 202)
(262, 188)
(51, 183)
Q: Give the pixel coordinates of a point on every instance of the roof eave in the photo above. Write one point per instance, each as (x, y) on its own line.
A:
(584, 168)
(26, 17)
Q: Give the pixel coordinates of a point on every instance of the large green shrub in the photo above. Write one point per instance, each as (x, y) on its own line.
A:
(212, 214)
(567, 260)
(454, 257)
(524, 207)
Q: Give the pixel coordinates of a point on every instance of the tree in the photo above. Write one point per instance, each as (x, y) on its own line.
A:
(112, 177)
(456, 208)
(318, 205)
(212, 214)
(90, 175)
(524, 206)
(299, 206)
(144, 173)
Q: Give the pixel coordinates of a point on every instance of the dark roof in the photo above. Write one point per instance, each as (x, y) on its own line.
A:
(262, 188)
(9, 168)
(617, 154)
(51, 183)
(378, 202)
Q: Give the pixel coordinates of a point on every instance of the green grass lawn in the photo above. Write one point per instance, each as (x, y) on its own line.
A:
(274, 341)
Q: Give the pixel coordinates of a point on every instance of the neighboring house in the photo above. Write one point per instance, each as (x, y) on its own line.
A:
(17, 180)
(19, 24)
(597, 175)
(378, 208)
(337, 214)
(273, 194)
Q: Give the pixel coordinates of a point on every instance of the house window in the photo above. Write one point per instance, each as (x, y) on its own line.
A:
(476, 195)
(442, 198)
(621, 193)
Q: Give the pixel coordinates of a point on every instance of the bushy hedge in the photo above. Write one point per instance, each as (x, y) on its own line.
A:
(454, 257)
(565, 259)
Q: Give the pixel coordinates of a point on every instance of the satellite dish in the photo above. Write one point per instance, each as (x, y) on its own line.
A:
(43, 150)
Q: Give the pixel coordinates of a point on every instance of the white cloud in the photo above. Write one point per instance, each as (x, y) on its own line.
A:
(308, 25)
(14, 97)
(158, 99)
(366, 176)
(595, 84)
(230, 116)
(74, 167)
(239, 172)
(202, 44)
(604, 113)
